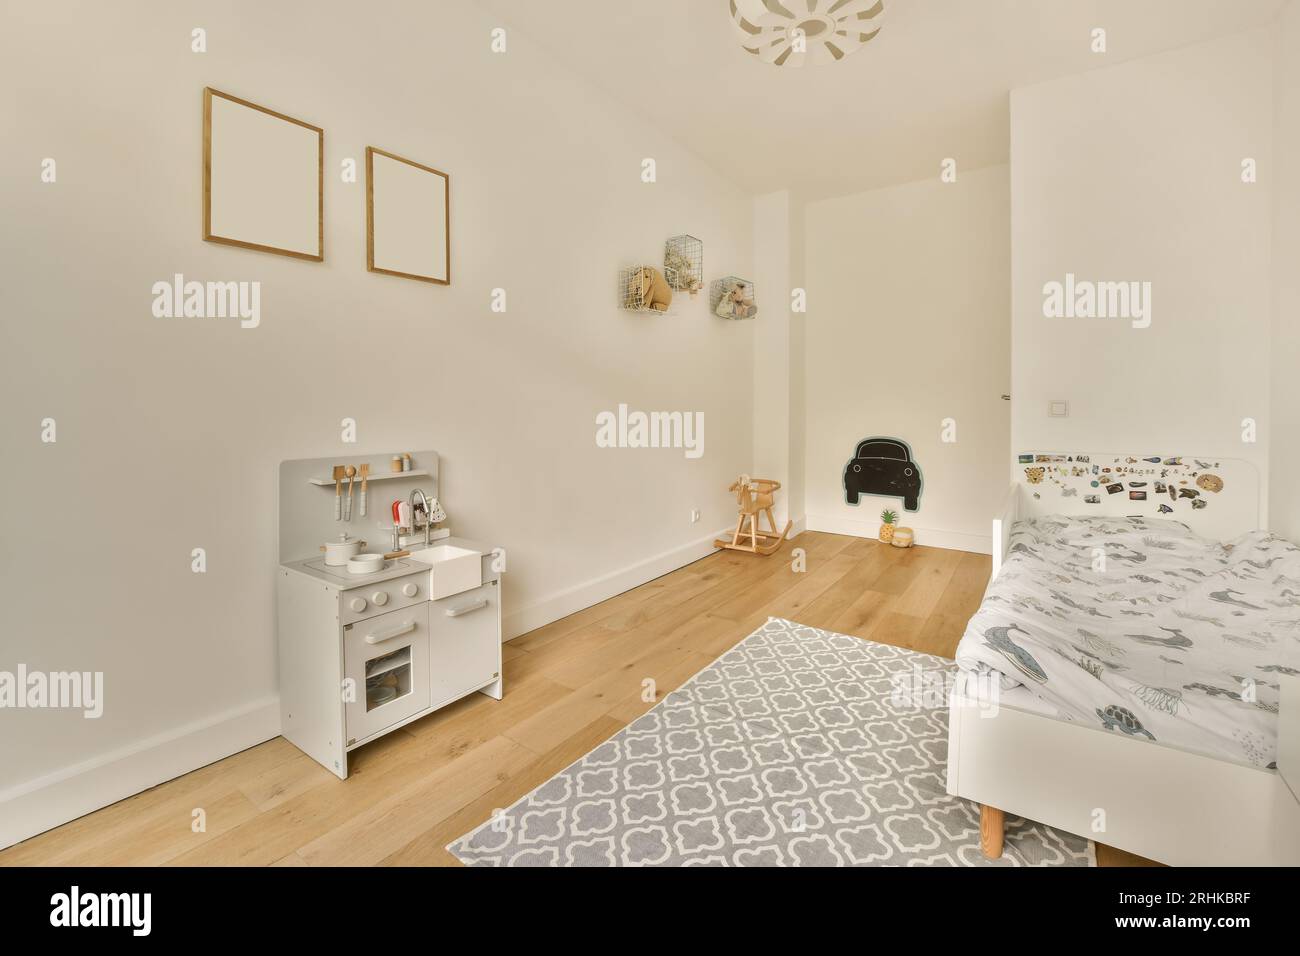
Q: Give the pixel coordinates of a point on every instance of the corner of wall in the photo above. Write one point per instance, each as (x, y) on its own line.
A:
(1284, 390)
(798, 372)
(774, 425)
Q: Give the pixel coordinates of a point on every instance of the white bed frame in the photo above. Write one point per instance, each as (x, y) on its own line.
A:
(1160, 802)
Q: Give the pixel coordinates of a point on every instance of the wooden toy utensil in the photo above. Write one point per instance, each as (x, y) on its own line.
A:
(338, 492)
(365, 477)
(350, 471)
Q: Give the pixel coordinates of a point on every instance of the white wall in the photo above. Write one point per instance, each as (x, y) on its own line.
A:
(772, 366)
(779, 352)
(798, 504)
(1133, 173)
(1284, 460)
(908, 325)
(170, 432)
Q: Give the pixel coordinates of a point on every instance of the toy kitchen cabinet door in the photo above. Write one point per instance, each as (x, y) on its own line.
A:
(885, 467)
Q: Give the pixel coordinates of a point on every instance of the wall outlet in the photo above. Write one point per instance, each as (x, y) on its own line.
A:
(695, 515)
(1058, 408)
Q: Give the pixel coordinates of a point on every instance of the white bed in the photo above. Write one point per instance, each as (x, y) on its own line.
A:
(1140, 669)
(1143, 627)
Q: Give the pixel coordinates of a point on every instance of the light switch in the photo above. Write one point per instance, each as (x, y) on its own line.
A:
(1058, 409)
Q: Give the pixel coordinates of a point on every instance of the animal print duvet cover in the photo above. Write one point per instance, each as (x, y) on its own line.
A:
(1141, 627)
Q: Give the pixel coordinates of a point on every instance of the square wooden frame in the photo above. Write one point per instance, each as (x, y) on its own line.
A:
(208, 93)
(371, 151)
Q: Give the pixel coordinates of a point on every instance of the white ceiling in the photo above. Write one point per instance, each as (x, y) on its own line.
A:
(933, 84)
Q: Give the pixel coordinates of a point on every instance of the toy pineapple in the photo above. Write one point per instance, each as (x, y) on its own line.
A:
(887, 519)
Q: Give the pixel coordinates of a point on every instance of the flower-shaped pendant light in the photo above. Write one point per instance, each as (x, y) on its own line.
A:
(795, 32)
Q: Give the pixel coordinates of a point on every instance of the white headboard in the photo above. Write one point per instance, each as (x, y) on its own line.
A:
(1148, 486)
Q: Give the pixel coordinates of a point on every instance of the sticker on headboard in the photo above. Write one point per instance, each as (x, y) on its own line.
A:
(1152, 485)
(883, 466)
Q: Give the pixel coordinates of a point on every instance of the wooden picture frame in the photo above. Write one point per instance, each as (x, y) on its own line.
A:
(262, 179)
(416, 246)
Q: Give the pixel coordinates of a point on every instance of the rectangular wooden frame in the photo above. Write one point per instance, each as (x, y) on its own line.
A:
(370, 214)
(208, 93)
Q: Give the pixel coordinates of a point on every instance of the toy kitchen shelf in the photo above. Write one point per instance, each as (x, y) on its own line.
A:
(384, 476)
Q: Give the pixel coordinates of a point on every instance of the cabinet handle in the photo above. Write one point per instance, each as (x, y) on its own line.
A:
(458, 611)
(378, 637)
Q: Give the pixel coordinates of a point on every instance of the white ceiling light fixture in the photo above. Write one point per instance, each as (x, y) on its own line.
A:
(796, 32)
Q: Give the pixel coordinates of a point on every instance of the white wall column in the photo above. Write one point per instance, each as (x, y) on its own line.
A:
(778, 357)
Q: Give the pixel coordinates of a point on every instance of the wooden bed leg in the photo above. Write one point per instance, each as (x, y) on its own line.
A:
(992, 826)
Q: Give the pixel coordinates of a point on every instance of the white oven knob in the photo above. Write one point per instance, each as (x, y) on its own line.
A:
(379, 598)
(358, 604)
(409, 589)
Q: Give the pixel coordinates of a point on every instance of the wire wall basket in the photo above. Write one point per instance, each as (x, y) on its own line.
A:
(732, 297)
(639, 289)
(684, 261)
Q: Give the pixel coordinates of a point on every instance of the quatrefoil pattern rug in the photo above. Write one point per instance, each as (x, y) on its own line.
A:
(795, 748)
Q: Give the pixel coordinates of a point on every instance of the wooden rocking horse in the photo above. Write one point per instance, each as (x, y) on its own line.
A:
(754, 496)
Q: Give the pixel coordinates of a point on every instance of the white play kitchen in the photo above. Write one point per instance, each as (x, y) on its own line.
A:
(372, 636)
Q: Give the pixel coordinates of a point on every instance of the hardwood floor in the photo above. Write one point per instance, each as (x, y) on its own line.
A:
(569, 686)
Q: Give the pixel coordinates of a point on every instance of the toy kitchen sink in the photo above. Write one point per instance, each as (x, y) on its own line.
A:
(362, 654)
(455, 567)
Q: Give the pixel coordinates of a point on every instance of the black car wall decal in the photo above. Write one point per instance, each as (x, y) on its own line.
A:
(883, 466)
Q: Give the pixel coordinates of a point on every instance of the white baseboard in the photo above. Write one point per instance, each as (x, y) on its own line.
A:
(584, 595)
(46, 802)
(930, 537)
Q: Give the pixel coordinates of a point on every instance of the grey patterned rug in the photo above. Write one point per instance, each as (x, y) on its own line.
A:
(798, 747)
